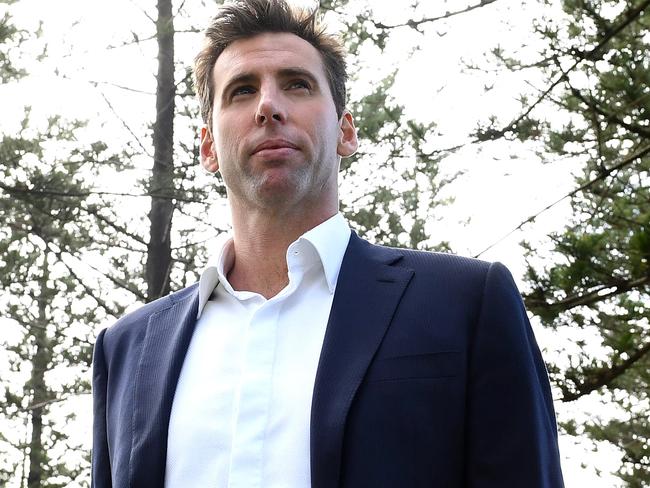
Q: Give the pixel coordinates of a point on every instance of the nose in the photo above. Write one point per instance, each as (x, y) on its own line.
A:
(270, 108)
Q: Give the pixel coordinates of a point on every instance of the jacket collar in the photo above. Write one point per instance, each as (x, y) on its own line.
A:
(165, 344)
(329, 239)
(369, 289)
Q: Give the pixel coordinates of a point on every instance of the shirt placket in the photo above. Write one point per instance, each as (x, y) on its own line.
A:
(252, 409)
(253, 404)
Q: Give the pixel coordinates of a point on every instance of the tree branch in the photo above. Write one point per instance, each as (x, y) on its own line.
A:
(636, 129)
(31, 324)
(144, 12)
(629, 17)
(82, 194)
(603, 376)
(593, 296)
(601, 176)
(415, 24)
(112, 311)
(121, 87)
(125, 125)
(136, 40)
(110, 277)
(37, 406)
(115, 226)
(117, 282)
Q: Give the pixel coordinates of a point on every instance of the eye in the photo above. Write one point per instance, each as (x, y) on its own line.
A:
(242, 90)
(298, 84)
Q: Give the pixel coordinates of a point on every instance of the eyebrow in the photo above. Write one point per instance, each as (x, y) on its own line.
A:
(298, 73)
(247, 77)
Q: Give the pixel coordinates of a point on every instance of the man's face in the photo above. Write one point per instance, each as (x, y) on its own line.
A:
(277, 140)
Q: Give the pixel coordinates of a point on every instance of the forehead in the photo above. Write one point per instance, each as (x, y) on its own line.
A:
(267, 51)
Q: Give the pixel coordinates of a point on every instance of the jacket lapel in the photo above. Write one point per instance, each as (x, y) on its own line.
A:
(166, 341)
(368, 291)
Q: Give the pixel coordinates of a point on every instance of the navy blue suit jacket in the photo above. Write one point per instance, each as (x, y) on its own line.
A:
(429, 376)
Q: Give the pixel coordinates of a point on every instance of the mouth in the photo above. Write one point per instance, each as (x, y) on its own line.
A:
(274, 145)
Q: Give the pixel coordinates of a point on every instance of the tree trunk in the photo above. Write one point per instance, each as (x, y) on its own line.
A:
(40, 394)
(159, 259)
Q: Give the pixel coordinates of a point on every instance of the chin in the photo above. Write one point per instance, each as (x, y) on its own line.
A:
(280, 195)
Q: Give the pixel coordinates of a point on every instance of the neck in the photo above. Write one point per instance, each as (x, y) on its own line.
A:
(261, 239)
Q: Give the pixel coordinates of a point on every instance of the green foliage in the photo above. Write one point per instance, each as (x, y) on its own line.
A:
(599, 277)
(10, 38)
(398, 171)
(45, 232)
(43, 228)
(391, 186)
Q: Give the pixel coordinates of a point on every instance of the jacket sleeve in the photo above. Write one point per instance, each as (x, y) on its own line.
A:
(101, 467)
(511, 429)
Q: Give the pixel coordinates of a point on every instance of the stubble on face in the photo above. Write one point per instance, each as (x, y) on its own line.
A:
(306, 177)
(282, 186)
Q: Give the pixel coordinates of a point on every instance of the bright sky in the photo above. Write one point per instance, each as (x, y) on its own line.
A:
(497, 192)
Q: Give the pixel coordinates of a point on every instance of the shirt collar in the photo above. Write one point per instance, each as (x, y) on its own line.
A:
(329, 239)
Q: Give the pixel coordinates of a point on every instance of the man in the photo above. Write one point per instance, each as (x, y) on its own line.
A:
(306, 356)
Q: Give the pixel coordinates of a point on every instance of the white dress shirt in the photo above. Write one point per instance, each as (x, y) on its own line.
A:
(241, 412)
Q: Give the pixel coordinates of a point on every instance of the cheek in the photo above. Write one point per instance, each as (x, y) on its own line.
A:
(230, 127)
(226, 140)
(332, 133)
(326, 130)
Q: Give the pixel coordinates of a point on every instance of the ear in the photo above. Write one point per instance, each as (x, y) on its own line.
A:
(208, 155)
(348, 142)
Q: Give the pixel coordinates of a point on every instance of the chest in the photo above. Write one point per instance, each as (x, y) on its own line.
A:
(244, 393)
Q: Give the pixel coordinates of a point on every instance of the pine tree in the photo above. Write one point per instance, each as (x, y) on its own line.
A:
(596, 285)
(43, 235)
(46, 230)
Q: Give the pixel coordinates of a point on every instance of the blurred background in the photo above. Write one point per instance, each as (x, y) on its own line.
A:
(509, 131)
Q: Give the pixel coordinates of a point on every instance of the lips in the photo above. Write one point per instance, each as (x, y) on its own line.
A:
(274, 144)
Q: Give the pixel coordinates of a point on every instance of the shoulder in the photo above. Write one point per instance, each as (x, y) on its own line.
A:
(438, 262)
(447, 264)
(442, 261)
(133, 325)
(444, 270)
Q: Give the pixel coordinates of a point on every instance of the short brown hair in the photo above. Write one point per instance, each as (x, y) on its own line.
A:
(242, 19)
